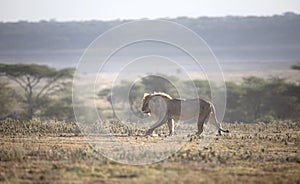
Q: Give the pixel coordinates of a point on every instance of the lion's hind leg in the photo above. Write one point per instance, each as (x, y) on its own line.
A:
(203, 116)
(201, 119)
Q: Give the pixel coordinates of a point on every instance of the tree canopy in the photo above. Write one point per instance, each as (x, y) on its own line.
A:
(36, 81)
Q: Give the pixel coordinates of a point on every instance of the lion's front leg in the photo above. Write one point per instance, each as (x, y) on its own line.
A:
(160, 122)
(171, 126)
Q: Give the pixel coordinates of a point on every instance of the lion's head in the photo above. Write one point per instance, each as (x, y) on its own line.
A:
(145, 106)
(148, 97)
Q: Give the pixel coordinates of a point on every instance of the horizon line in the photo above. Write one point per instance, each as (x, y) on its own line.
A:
(287, 13)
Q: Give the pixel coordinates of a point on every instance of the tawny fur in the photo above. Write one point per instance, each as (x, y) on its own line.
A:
(168, 109)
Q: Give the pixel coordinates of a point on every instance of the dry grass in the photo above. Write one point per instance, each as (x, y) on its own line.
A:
(48, 152)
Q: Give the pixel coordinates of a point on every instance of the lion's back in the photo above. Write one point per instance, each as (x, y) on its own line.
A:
(185, 109)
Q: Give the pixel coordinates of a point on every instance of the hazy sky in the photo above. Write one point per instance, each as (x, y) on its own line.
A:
(65, 10)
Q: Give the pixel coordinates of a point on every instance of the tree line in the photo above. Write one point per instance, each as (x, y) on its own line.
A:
(227, 31)
(254, 99)
(28, 91)
(243, 37)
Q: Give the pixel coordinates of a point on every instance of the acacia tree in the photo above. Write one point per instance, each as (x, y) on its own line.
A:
(37, 81)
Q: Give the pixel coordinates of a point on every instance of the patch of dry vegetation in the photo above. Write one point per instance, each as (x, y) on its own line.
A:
(47, 152)
(37, 127)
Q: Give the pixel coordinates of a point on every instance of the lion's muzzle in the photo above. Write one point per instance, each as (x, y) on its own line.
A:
(145, 110)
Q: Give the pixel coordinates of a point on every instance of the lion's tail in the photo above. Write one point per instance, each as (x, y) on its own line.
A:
(216, 122)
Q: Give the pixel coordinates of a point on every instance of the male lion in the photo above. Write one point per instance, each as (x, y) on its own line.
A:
(168, 109)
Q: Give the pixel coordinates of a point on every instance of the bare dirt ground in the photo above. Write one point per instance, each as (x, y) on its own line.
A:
(250, 153)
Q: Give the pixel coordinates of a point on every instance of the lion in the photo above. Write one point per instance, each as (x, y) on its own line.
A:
(168, 109)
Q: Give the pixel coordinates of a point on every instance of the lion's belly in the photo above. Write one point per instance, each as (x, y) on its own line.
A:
(185, 114)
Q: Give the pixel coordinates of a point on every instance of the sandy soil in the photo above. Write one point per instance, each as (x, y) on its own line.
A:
(250, 153)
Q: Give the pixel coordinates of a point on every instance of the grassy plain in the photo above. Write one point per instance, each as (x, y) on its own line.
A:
(56, 152)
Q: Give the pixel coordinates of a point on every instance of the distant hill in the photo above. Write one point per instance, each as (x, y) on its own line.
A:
(231, 38)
